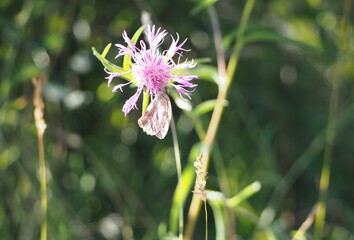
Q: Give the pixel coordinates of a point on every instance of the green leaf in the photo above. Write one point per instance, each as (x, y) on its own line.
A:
(205, 72)
(206, 106)
(183, 104)
(216, 201)
(244, 194)
(127, 57)
(229, 38)
(266, 35)
(201, 5)
(201, 60)
(105, 50)
(8, 156)
(110, 66)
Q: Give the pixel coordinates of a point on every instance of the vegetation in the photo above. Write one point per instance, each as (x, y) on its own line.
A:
(268, 129)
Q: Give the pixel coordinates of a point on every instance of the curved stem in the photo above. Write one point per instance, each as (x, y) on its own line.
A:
(225, 81)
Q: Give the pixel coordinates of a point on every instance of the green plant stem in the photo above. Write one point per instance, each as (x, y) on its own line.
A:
(224, 85)
(179, 176)
(328, 151)
(145, 102)
(42, 173)
(206, 220)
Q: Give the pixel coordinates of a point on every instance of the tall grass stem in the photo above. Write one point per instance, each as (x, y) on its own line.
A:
(40, 126)
(331, 125)
(224, 85)
(179, 176)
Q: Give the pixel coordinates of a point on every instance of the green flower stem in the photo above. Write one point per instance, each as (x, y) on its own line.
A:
(328, 151)
(42, 173)
(224, 84)
(145, 102)
(206, 221)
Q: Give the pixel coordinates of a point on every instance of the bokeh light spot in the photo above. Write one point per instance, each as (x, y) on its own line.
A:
(288, 74)
(110, 226)
(87, 182)
(200, 39)
(40, 57)
(129, 135)
(327, 20)
(121, 153)
(104, 93)
(82, 30)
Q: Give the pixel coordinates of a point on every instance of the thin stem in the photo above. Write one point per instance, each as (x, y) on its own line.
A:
(206, 220)
(40, 126)
(179, 175)
(224, 85)
(218, 47)
(305, 225)
(328, 152)
(42, 172)
(145, 102)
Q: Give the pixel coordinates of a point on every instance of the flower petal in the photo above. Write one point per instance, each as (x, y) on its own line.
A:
(111, 75)
(174, 48)
(129, 42)
(120, 87)
(155, 39)
(186, 65)
(123, 50)
(131, 102)
(183, 91)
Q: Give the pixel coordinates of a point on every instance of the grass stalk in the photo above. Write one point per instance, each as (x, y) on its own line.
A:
(224, 85)
(330, 133)
(206, 220)
(40, 126)
(44, 201)
(179, 176)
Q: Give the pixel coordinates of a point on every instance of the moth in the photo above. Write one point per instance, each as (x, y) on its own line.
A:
(157, 117)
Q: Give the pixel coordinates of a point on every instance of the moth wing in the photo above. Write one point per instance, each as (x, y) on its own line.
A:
(157, 117)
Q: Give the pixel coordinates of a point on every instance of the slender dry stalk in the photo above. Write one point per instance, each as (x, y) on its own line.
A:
(200, 187)
(305, 225)
(41, 126)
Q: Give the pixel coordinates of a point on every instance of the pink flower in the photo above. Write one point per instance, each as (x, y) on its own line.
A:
(153, 71)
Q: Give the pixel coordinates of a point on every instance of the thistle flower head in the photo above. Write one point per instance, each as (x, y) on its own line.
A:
(152, 70)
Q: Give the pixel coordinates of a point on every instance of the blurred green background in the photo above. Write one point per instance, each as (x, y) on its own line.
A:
(109, 180)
